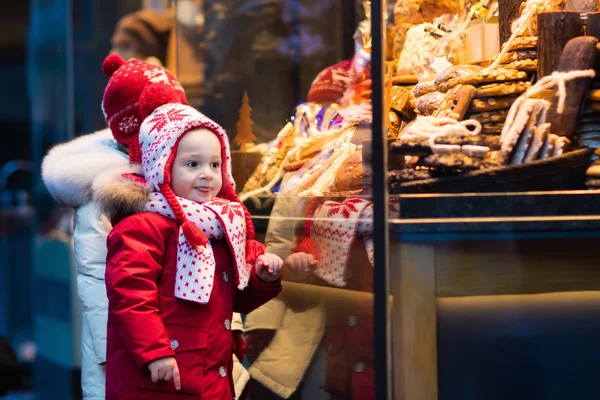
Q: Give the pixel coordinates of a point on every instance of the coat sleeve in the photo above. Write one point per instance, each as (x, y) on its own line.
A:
(256, 294)
(136, 248)
(91, 230)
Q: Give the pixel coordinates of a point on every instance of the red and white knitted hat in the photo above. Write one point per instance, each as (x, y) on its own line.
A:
(331, 83)
(159, 137)
(129, 83)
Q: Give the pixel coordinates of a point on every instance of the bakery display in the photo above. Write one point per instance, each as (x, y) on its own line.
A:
(448, 120)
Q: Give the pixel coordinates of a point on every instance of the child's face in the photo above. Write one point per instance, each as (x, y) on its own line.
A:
(196, 171)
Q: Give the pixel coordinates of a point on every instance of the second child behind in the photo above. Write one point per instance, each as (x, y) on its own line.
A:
(178, 270)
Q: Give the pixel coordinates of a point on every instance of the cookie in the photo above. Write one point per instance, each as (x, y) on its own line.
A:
(402, 80)
(594, 95)
(493, 128)
(429, 103)
(519, 55)
(561, 146)
(452, 161)
(406, 146)
(489, 116)
(492, 142)
(523, 43)
(398, 177)
(423, 88)
(597, 152)
(593, 171)
(592, 183)
(402, 102)
(593, 106)
(456, 103)
(455, 72)
(494, 76)
(526, 137)
(502, 89)
(548, 147)
(523, 65)
(492, 103)
(511, 132)
(540, 133)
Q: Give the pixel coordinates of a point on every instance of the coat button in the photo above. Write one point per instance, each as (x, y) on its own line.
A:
(360, 367)
(225, 276)
(174, 344)
(351, 320)
(349, 274)
(227, 324)
(222, 372)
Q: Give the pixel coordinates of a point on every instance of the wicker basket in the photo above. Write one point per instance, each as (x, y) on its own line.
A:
(565, 172)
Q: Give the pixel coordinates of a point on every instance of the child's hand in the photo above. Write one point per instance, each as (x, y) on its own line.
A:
(301, 264)
(268, 267)
(165, 369)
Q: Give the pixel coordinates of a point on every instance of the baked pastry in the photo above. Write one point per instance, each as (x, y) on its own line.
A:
(350, 175)
(427, 104)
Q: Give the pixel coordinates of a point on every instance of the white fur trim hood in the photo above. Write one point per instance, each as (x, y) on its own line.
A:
(69, 169)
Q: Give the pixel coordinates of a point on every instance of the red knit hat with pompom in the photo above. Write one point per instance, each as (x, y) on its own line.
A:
(160, 132)
(129, 81)
(331, 83)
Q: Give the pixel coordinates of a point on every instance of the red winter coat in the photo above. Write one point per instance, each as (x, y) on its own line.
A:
(146, 321)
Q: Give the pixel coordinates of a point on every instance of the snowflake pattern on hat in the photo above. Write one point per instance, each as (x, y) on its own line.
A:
(161, 130)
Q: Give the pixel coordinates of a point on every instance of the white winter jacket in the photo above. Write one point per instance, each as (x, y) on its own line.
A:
(69, 171)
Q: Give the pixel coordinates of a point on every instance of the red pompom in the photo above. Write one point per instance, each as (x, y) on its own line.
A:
(307, 246)
(111, 64)
(193, 234)
(156, 95)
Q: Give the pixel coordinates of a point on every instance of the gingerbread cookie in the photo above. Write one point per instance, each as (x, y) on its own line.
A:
(494, 76)
(594, 96)
(523, 65)
(404, 80)
(493, 142)
(511, 133)
(494, 128)
(455, 72)
(456, 103)
(452, 161)
(492, 103)
(502, 89)
(519, 55)
(410, 145)
(402, 102)
(548, 147)
(523, 43)
(561, 146)
(593, 171)
(592, 183)
(429, 103)
(408, 175)
(423, 88)
(489, 116)
(540, 133)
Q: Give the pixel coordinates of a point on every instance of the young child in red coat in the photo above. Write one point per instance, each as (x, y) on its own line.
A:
(177, 271)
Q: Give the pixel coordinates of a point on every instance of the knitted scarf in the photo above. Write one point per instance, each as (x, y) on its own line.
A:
(196, 266)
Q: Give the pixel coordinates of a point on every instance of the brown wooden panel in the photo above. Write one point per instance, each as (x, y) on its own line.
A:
(414, 321)
(516, 267)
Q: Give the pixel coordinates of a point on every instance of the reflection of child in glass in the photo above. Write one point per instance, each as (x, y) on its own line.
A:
(176, 272)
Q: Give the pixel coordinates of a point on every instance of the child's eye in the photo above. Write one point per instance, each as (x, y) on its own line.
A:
(192, 164)
(215, 165)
